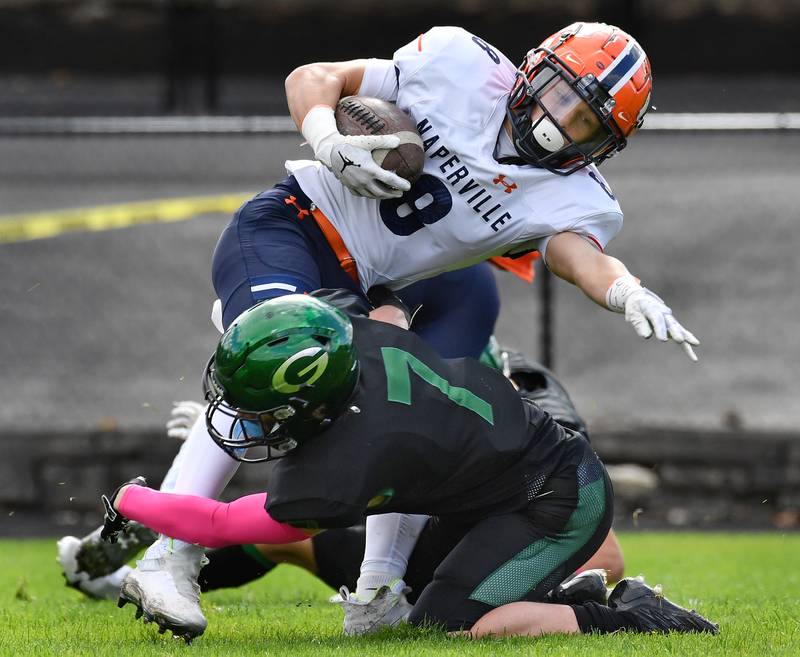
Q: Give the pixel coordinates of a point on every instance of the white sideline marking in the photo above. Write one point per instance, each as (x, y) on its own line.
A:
(720, 121)
(221, 125)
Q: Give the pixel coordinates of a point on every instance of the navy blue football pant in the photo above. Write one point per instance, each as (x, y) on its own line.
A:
(270, 248)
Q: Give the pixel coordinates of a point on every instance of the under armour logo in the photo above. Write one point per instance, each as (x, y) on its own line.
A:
(292, 200)
(346, 163)
(501, 180)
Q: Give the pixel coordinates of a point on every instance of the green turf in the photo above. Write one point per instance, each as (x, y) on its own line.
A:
(749, 584)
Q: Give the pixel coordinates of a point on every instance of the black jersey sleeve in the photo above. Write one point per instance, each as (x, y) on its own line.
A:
(320, 484)
(316, 513)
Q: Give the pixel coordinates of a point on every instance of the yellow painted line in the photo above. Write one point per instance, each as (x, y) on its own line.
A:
(38, 225)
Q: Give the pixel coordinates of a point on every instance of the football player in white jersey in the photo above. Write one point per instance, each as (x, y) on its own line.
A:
(511, 167)
(511, 157)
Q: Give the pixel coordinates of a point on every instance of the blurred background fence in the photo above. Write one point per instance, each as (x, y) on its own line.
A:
(231, 56)
(107, 105)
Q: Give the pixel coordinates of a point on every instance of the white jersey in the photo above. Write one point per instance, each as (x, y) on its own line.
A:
(466, 207)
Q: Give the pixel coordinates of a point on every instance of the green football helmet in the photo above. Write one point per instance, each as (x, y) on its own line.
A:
(283, 371)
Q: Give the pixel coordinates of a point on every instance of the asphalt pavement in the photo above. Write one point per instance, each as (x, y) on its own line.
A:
(107, 328)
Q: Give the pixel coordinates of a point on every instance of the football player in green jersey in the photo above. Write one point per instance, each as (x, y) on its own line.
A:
(368, 419)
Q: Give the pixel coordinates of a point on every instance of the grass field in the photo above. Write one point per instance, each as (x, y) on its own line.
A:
(748, 583)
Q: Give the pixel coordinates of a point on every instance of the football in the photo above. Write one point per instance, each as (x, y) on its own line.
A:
(360, 115)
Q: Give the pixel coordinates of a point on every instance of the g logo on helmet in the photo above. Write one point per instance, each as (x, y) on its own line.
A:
(316, 368)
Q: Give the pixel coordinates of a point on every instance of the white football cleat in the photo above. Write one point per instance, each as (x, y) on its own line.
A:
(388, 608)
(165, 591)
(100, 588)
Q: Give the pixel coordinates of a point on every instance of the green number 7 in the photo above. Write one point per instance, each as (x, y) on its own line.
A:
(399, 364)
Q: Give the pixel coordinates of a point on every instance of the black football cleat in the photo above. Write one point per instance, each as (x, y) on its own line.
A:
(653, 612)
(588, 586)
(541, 386)
(99, 558)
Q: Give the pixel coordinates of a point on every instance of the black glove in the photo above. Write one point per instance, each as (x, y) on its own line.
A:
(113, 521)
(349, 302)
(380, 295)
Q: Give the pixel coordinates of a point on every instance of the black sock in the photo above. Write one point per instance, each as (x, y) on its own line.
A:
(597, 618)
(233, 566)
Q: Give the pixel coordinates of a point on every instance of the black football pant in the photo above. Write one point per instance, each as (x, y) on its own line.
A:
(460, 571)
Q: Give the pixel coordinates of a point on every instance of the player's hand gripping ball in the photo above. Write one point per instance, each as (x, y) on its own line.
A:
(361, 115)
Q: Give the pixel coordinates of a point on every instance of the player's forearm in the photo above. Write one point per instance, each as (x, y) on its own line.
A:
(204, 521)
(321, 84)
(595, 280)
(312, 92)
(573, 258)
(608, 283)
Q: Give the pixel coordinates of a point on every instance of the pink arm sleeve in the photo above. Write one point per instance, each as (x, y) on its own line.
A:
(204, 521)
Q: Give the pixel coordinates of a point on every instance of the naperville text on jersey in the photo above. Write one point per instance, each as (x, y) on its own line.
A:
(479, 199)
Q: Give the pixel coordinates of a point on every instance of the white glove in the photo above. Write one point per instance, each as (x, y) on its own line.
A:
(184, 415)
(350, 158)
(648, 314)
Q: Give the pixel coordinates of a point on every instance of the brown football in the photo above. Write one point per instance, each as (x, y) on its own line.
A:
(361, 115)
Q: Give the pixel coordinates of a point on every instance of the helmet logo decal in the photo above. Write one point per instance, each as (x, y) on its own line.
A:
(316, 368)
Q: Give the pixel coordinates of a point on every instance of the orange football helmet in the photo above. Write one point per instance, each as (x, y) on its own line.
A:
(578, 97)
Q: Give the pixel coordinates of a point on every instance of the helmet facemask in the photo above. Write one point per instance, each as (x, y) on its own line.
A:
(236, 430)
(281, 374)
(560, 121)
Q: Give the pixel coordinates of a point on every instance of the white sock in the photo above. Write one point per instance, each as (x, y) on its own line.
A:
(201, 468)
(390, 539)
(170, 479)
(165, 545)
(205, 469)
